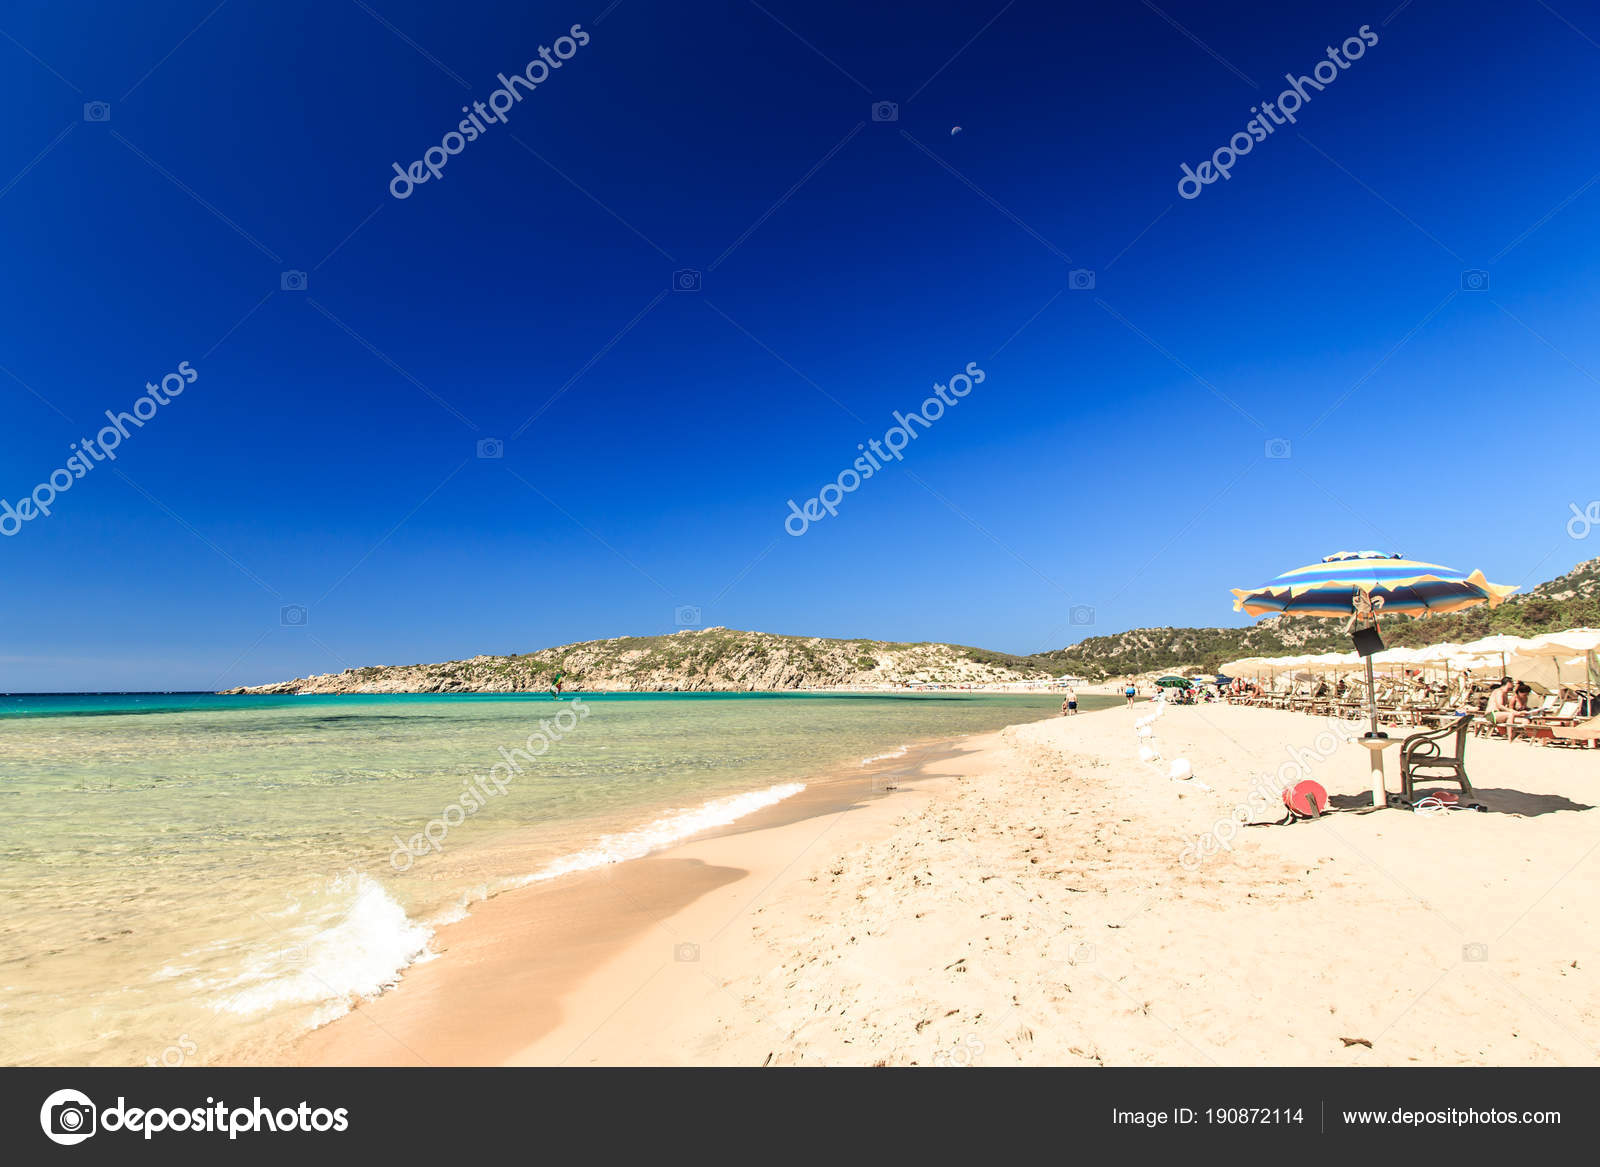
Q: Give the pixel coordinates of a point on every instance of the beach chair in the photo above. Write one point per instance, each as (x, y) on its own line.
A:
(1438, 755)
(1495, 723)
(1585, 733)
(1564, 714)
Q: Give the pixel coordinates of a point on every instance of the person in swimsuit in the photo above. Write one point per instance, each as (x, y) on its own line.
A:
(1503, 708)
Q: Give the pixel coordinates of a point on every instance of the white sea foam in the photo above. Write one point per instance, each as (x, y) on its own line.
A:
(900, 753)
(355, 940)
(354, 944)
(665, 831)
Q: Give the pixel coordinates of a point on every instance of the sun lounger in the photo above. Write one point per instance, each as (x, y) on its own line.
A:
(1500, 723)
(1566, 714)
(1585, 733)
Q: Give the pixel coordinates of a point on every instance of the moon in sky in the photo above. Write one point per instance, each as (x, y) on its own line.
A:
(954, 130)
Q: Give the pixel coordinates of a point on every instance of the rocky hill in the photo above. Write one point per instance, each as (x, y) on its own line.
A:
(704, 659)
(694, 660)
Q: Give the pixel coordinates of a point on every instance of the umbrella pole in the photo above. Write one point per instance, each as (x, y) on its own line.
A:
(1372, 702)
(1375, 742)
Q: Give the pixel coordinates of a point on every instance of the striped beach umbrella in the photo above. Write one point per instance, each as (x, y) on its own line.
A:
(1358, 585)
(1404, 585)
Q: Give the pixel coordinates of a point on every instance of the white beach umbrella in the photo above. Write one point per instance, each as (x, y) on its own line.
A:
(1540, 658)
(1341, 662)
(1589, 666)
(1472, 662)
(1435, 654)
(1399, 655)
(1324, 664)
(1535, 668)
(1574, 640)
(1502, 643)
(1281, 666)
(1396, 660)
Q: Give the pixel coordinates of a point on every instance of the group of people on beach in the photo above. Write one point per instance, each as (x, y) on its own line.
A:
(1508, 703)
(1070, 705)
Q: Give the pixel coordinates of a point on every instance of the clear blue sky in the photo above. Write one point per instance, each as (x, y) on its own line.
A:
(1116, 456)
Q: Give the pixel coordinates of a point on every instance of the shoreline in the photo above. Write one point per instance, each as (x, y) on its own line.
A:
(1023, 898)
(527, 950)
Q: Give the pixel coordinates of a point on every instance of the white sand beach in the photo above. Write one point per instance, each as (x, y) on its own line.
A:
(1034, 897)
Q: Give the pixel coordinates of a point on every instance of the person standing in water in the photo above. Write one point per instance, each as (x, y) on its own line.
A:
(1070, 705)
(1130, 692)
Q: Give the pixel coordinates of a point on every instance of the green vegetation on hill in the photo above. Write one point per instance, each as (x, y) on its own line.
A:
(1569, 601)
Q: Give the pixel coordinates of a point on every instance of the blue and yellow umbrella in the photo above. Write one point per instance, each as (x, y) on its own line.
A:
(1359, 585)
(1331, 588)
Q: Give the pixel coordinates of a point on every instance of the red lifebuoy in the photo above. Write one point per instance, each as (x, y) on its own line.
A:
(1306, 799)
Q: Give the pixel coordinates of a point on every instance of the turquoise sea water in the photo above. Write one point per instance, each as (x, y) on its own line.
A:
(187, 878)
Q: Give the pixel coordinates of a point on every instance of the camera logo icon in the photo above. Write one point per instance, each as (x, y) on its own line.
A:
(957, 1056)
(685, 953)
(686, 616)
(174, 1055)
(97, 111)
(68, 1117)
(1082, 615)
(292, 281)
(686, 280)
(1475, 952)
(292, 615)
(491, 448)
(1475, 279)
(1080, 279)
(1279, 448)
(885, 111)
